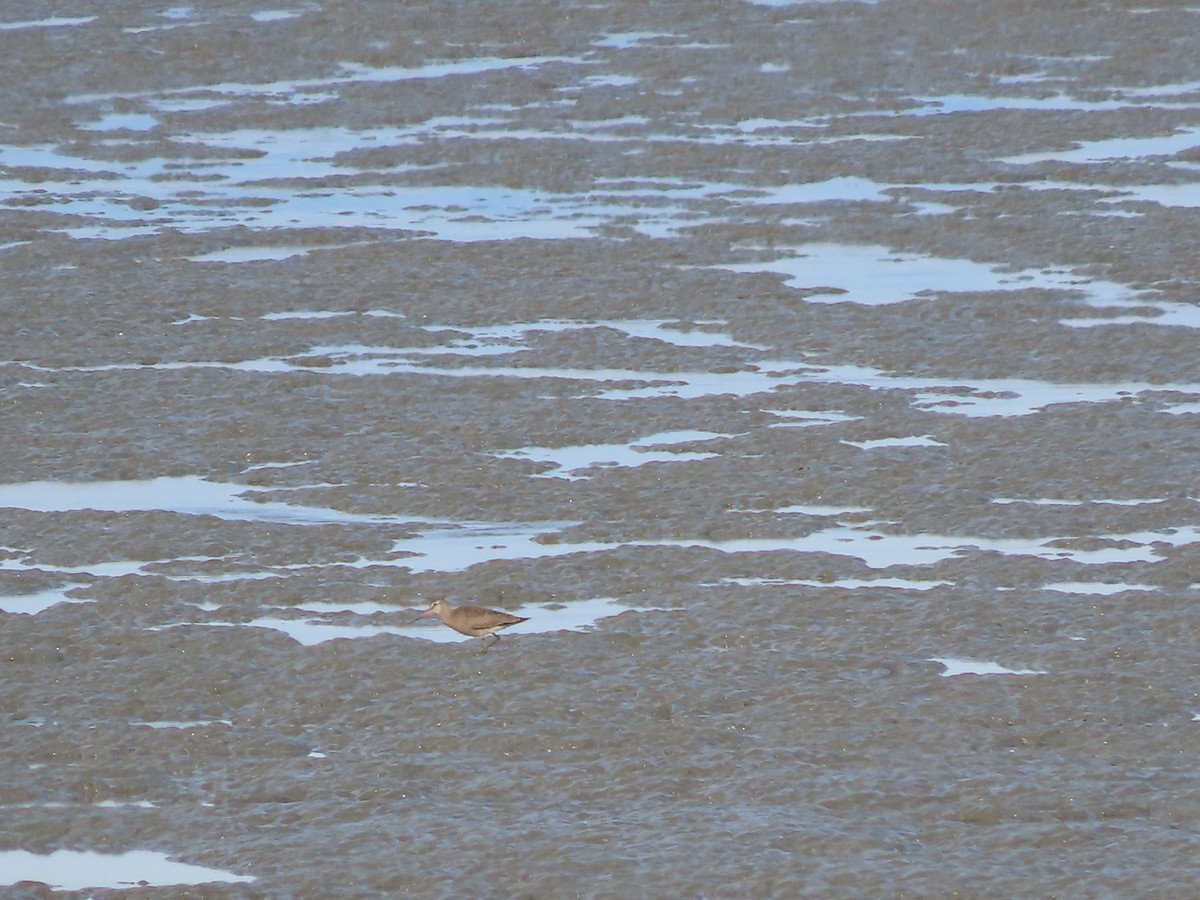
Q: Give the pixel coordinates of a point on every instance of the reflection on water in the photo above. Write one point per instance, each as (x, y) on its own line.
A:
(955, 666)
(966, 396)
(285, 170)
(739, 370)
(896, 584)
(576, 615)
(260, 252)
(454, 546)
(77, 870)
(572, 463)
(348, 73)
(186, 494)
(915, 440)
(48, 22)
(1048, 501)
(1118, 148)
(99, 804)
(39, 601)
(808, 418)
(1096, 587)
(818, 509)
(875, 275)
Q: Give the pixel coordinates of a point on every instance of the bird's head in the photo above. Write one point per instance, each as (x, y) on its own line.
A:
(437, 607)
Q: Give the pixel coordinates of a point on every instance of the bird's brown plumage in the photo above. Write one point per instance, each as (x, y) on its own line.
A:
(474, 621)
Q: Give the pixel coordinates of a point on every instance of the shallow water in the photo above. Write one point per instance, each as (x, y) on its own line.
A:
(818, 378)
(66, 870)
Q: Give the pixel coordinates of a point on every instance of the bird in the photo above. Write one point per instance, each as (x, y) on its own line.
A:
(474, 621)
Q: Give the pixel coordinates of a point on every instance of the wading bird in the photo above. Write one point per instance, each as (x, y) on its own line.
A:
(474, 621)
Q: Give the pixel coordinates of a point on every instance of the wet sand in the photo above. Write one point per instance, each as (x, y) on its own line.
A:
(820, 379)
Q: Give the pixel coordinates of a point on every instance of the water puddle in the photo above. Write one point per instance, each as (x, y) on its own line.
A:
(285, 173)
(804, 2)
(99, 804)
(1050, 501)
(48, 22)
(39, 601)
(260, 253)
(458, 546)
(316, 314)
(122, 122)
(895, 584)
(275, 15)
(880, 550)
(1173, 89)
(768, 133)
(357, 607)
(948, 104)
(571, 463)
(814, 509)
(280, 180)
(1097, 588)
(186, 494)
(955, 666)
(25, 561)
(492, 340)
(349, 73)
(974, 397)
(875, 276)
(1180, 140)
(809, 418)
(176, 16)
(628, 39)
(579, 615)
(1164, 96)
(1165, 195)
(453, 546)
(1022, 397)
(1141, 311)
(922, 440)
(78, 870)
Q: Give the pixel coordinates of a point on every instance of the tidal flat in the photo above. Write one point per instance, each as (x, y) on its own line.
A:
(821, 380)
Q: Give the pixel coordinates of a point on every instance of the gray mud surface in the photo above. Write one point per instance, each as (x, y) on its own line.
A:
(764, 721)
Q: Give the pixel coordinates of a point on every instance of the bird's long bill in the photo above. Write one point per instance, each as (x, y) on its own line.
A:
(416, 619)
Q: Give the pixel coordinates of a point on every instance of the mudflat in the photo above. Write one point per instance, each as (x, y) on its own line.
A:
(819, 379)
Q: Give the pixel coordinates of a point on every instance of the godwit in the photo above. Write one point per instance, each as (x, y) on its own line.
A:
(474, 621)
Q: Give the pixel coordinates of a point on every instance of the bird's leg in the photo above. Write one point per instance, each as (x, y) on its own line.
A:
(486, 645)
